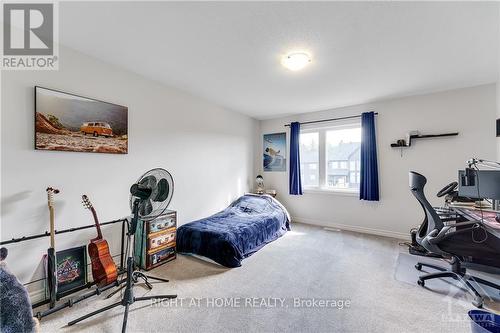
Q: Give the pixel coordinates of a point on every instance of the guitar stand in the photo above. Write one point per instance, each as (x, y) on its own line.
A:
(70, 302)
(132, 277)
(128, 298)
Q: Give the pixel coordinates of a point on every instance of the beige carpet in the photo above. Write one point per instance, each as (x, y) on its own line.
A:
(373, 273)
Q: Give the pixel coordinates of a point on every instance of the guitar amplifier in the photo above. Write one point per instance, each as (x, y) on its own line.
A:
(155, 241)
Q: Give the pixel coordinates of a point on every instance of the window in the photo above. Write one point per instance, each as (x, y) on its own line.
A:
(330, 157)
(309, 159)
(352, 178)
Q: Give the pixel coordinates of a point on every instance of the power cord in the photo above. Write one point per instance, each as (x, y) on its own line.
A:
(479, 225)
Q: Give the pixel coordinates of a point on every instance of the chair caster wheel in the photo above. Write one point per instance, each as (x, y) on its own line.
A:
(478, 303)
(421, 282)
(418, 266)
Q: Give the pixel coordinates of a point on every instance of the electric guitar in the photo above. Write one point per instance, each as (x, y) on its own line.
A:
(51, 252)
(104, 269)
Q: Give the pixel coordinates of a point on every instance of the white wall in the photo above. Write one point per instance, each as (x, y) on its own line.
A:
(498, 113)
(208, 150)
(469, 111)
(498, 85)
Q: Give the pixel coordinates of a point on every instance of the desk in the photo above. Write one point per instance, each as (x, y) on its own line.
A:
(476, 214)
(487, 216)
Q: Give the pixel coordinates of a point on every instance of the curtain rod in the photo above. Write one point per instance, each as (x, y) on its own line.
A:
(325, 120)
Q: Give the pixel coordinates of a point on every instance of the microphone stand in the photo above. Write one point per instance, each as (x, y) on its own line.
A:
(128, 297)
(485, 163)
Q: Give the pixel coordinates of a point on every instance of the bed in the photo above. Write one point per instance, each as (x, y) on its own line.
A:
(236, 232)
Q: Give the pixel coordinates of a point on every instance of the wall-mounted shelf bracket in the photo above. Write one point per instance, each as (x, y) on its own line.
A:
(402, 143)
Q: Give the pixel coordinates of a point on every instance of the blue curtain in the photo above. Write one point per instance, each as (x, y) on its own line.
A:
(295, 181)
(368, 189)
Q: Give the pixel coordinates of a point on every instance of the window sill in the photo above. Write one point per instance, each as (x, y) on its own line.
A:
(318, 190)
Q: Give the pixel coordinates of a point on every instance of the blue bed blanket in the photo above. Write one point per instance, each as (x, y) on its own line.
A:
(237, 232)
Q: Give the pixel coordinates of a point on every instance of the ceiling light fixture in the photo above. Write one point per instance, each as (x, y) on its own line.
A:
(296, 61)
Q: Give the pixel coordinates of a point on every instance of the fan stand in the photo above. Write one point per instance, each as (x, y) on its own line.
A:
(135, 278)
(128, 297)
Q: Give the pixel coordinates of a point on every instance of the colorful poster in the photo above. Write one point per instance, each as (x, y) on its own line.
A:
(274, 152)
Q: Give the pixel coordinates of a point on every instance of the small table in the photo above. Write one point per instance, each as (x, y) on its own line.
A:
(272, 193)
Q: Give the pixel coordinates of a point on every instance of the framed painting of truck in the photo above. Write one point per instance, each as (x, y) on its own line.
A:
(69, 122)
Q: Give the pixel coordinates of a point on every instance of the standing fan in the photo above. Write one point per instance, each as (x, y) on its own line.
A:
(151, 195)
(149, 198)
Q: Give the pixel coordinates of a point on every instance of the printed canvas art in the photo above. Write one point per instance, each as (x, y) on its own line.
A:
(275, 152)
(73, 123)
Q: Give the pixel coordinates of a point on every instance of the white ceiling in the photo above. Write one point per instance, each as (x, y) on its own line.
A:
(230, 53)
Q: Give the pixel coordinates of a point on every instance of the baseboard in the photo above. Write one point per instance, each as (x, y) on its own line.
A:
(37, 295)
(363, 230)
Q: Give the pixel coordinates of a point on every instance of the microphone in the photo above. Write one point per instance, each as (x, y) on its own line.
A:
(472, 161)
(140, 192)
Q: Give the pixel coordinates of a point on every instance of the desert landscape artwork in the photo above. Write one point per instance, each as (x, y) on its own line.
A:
(69, 122)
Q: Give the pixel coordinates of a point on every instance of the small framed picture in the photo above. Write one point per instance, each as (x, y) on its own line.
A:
(71, 269)
(274, 154)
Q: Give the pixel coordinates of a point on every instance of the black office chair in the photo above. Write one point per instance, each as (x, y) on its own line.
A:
(453, 242)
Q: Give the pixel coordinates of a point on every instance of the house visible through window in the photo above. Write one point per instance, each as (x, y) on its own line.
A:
(330, 157)
(309, 159)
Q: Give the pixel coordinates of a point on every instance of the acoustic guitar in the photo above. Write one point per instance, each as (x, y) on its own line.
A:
(51, 252)
(104, 269)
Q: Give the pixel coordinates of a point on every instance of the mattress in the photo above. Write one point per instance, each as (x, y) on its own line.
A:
(235, 233)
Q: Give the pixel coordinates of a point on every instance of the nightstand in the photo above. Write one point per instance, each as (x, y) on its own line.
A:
(156, 240)
(272, 193)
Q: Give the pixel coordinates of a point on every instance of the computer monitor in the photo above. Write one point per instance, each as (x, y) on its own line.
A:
(480, 184)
